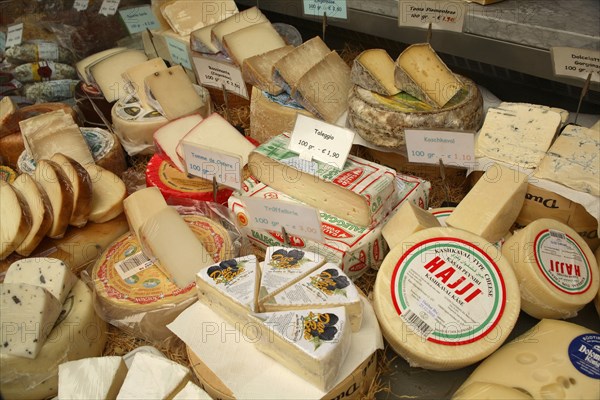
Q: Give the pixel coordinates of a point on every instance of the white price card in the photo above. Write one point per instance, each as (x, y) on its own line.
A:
(207, 163)
(576, 63)
(81, 5)
(429, 147)
(14, 37)
(138, 19)
(2, 41)
(47, 51)
(217, 74)
(179, 53)
(313, 138)
(109, 7)
(272, 215)
(442, 15)
(332, 8)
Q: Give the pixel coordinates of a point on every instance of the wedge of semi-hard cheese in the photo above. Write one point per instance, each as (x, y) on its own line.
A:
(326, 287)
(311, 343)
(492, 205)
(489, 391)
(359, 193)
(564, 353)
(422, 73)
(251, 41)
(192, 392)
(168, 137)
(291, 67)
(135, 76)
(151, 376)
(201, 40)
(52, 274)
(107, 72)
(108, 193)
(41, 213)
(141, 205)
(248, 17)
(164, 40)
(82, 66)
(231, 288)
(81, 184)
(434, 281)
(517, 134)
(573, 160)
(373, 70)
(182, 258)
(324, 89)
(50, 176)
(185, 16)
(28, 313)
(91, 378)
(597, 299)
(406, 221)
(556, 269)
(258, 70)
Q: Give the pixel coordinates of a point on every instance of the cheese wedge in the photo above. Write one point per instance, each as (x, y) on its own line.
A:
(108, 72)
(16, 219)
(185, 16)
(167, 138)
(248, 17)
(407, 220)
(107, 374)
(373, 70)
(201, 40)
(135, 76)
(291, 67)
(160, 87)
(50, 176)
(251, 41)
(7, 108)
(258, 70)
(81, 184)
(108, 193)
(82, 66)
(141, 205)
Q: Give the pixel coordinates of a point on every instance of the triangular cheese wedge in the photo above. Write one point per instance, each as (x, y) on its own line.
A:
(326, 287)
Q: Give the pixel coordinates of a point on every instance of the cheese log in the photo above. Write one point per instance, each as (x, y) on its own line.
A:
(27, 314)
(107, 72)
(7, 109)
(373, 70)
(489, 391)
(251, 41)
(96, 378)
(492, 205)
(317, 349)
(168, 137)
(434, 281)
(81, 184)
(184, 257)
(161, 86)
(324, 89)
(201, 40)
(50, 176)
(342, 193)
(248, 17)
(258, 70)
(573, 160)
(16, 219)
(185, 16)
(41, 213)
(554, 359)
(406, 221)
(135, 76)
(422, 73)
(49, 273)
(108, 193)
(192, 392)
(291, 67)
(556, 269)
(83, 65)
(517, 134)
(166, 378)
(141, 205)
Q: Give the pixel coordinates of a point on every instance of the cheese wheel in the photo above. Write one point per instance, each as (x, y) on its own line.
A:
(441, 213)
(78, 333)
(556, 270)
(597, 299)
(445, 298)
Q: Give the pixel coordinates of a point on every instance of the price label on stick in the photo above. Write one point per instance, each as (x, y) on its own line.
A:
(331, 8)
(442, 15)
(138, 19)
(429, 147)
(576, 63)
(272, 215)
(14, 37)
(217, 74)
(207, 163)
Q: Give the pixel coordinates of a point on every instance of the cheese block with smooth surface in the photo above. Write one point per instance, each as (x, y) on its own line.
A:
(7, 109)
(373, 70)
(107, 73)
(83, 65)
(185, 16)
(167, 138)
(161, 86)
(108, 193)
(50, 176)
(192, 392)
(81, 185)
(492, 205)
(92, 378)
(135, 78)
(406, 221)
(141, 205)
(248, 17)
(291, 67)
(258, 70)
(251, 41)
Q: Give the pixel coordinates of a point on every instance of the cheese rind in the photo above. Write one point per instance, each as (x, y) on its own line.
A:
(406, 221)
(107, 72)
(52, 274)
(135, 76)
(57, 186)
(373, 70)
(291, 67)
(258, 70)
(91, 378)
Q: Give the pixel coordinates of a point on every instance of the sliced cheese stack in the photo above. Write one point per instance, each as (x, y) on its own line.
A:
(167, 138)
(236, 22)
(108, 193)
(185, 16)
(360, 193)
(135, 76)
(373, 70)
(251, 41)
(258, 70)
(50, 176)
(91, 378)
(406, 221)
(81, 184)
(107, 72)
(556, 269)
(16, 219)
(554, 359)
(434, 281)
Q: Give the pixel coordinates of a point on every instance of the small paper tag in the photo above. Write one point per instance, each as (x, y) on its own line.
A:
(109, 7)
(429, 147)
(206, 163)
(216, 74)
(325, 142)
(179, 53)
(332, 8)
(577, 63)
(14, 36)
(272, 215)
(443, 15)
(2, 42)
(133, 265)
(138, 19)
(81, 5)
(47, 51)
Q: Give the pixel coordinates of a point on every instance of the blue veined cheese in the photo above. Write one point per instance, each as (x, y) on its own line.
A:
(27, 315)
(573, 160)
(517, 133)
(91, 378)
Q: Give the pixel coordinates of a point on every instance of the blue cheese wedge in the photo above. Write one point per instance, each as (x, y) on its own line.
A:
(27, 315)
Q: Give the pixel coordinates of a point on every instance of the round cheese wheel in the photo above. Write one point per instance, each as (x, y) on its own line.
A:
(597, 299)
(78, 333)
(445, 298)
(557, 271)
(441, 213)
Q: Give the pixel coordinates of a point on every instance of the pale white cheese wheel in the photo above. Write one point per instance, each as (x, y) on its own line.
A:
(557, 271)
(597, 299)
(445, 298)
